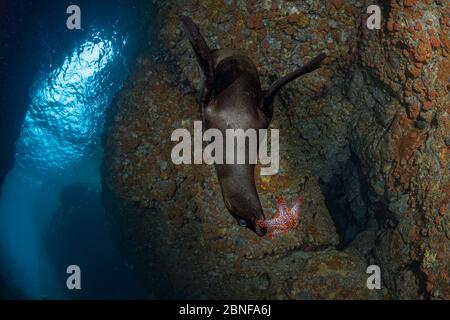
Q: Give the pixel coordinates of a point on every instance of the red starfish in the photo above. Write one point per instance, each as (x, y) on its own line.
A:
(285, 219)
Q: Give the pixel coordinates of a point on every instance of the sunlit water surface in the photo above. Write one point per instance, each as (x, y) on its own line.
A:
(68, 104)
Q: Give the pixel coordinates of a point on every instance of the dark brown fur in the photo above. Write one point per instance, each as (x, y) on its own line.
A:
(232, 98)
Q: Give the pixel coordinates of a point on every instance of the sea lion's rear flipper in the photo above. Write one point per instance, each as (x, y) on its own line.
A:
(202, 52)
(269, 94)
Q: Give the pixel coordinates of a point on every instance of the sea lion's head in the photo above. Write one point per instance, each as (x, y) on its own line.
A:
(252, 225)
(246, 211)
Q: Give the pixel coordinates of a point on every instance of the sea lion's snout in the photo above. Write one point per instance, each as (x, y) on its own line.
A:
(259, 231)
(252, 225)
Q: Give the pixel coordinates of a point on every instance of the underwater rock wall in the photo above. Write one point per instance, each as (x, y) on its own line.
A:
(401, 137)
(363, 140)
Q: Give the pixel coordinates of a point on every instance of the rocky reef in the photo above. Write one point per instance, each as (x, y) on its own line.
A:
(365, 140)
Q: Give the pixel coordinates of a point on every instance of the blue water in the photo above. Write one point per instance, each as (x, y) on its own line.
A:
(56, 176)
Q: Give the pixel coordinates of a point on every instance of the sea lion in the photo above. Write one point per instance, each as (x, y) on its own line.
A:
(232, 98)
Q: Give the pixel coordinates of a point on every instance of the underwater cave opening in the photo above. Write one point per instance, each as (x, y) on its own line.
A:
(50, 208)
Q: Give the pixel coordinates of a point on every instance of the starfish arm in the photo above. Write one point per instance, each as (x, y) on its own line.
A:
(278, 232)
(272, 223)
(298, 203)
(281, 205)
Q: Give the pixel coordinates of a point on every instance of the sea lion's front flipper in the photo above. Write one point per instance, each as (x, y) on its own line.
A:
(269, 94)
(202, 53)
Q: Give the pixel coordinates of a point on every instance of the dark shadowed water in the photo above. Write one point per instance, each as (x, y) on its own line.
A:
(50, 210)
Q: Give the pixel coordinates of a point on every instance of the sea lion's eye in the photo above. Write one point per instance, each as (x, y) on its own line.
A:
(242, 222)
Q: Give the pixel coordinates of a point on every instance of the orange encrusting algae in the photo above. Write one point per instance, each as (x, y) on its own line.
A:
(284, 220)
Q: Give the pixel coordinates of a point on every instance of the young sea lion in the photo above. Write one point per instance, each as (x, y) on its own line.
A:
(232, 98)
